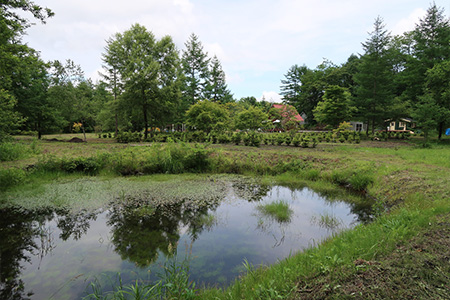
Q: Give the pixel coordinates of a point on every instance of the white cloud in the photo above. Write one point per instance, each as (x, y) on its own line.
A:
(215, 49)
(408, 23)
(255, 40)
(270, 97)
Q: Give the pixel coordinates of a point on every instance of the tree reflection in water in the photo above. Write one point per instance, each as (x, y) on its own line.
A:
(24, 234)
(142, 228)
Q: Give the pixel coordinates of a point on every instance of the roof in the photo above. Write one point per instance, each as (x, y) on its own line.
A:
(284, 107)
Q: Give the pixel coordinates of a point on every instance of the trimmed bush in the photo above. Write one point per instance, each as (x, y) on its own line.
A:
(236, 138)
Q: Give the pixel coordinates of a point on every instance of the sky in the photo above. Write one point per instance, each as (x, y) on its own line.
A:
(256, 41)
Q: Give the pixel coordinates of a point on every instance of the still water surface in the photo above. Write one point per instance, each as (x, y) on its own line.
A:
(48, 254)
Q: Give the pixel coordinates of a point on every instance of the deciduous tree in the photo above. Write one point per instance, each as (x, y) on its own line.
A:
(149, 70)
(335, 107)
(252, 118)
(207, 115)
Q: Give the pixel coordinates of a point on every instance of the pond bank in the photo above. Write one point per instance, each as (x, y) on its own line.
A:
(411, 183)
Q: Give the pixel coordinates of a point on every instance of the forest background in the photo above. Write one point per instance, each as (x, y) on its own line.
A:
(147, 83)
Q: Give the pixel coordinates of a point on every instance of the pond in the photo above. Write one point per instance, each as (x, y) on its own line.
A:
(218, 223)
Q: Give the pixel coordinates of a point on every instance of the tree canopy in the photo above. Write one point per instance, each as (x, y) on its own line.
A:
(146, 82)
(150, 72)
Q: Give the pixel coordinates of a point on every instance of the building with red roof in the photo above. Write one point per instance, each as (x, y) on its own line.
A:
(289, 112)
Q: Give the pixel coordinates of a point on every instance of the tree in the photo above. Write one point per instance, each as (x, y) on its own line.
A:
(431, 37)
(112, 78)
(12, 55)
(374, 92)
(431, 50)
(106, 117)
(247, 102)
(66, 93)
(34, 104)
(437, 91)
(335, 107)
(252, 118)
(149, 70)
(426, 114)
(303, 88)
(286, 114)
(207, 115)
(348, 71)
(10, 120)
(295, 92)
(216, 89)
(291, 87)
(17, 23)
(195, 68)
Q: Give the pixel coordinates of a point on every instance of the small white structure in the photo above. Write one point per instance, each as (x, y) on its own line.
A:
(358, 126)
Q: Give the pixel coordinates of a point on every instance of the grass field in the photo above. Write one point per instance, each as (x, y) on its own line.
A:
(403, 253)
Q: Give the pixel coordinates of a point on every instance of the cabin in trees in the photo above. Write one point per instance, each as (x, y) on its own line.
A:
(400, 125)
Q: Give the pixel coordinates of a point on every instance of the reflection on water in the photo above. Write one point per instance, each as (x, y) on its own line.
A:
(47, 253)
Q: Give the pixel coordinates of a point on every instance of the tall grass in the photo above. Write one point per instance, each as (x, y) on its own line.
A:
(174, 283)
(10, 151)
(11, 177)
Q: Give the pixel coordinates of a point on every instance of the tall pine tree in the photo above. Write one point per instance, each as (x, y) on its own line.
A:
(431, 51)
(374, 92)
(216, 89)
(195, 68)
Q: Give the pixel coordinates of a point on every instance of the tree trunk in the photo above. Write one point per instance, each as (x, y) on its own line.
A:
(144, 107)
(117, 125)
(84, 133)
(39, 130)
(441, 130)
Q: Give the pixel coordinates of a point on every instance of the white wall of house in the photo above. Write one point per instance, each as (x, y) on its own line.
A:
(358, 126)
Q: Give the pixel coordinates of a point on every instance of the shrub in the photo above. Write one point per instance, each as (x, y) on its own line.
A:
(280, 139)
(312, 174)
(255, 139)
(288, 139)
(360, 181)
(236, 138)
(314, 142)
(296, 141)
(246, 139)
(122, 137)
(87, 165)
(340, 177)
(11, 151)
(224, 138)
(212, 137)
(173, 158)
(199, 136)
(11, 177)
(304, 143)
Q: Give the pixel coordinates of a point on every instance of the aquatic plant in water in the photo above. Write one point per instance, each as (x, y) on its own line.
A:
(278, 210)
(327, 221)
